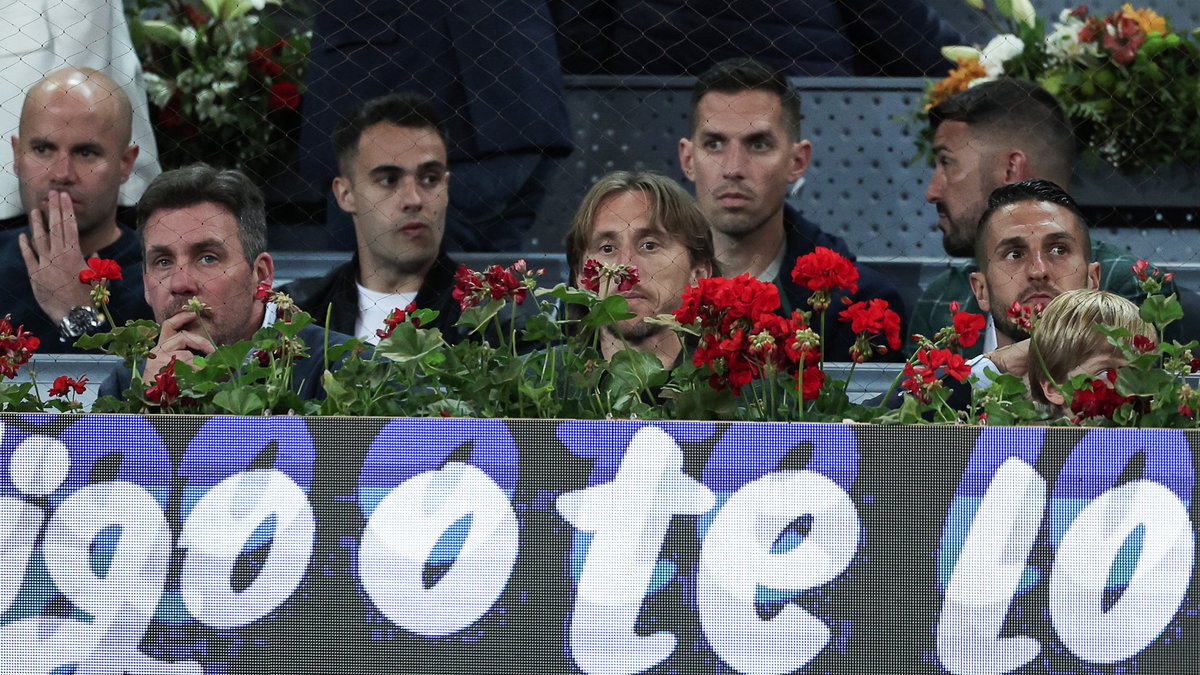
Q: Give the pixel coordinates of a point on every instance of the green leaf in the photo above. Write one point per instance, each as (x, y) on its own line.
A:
(161, 32)
(240, 401)
(1160, 311)
(634, 371)
(408, 343)
(569, 295)
(475, 318)
(608, 312)
(540, 328)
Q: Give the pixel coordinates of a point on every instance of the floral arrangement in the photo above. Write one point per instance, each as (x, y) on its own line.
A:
(742, 360)
(1127, 81)
(224, 85)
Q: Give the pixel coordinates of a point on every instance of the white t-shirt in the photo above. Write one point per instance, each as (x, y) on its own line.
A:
(374, 307)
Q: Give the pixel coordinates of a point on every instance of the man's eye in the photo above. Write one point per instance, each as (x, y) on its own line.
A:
(712, 145)
(161, 262)
(209, 259)
(1012, 255)
(650, 246)
(432, 179)
(760, 146)
(1060, 250)
(606, 249)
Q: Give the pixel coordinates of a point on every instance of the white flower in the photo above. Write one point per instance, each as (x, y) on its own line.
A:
(1000, 49)
(158, 90)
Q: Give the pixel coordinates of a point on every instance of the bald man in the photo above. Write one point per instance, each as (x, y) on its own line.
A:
(71, 156)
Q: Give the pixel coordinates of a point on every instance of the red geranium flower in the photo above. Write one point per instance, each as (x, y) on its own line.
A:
(165, 389)
(1100, 399)
(16, 347)
(967, 326)
(923, 377)
(263, 293)
(1144, 344)
(63, 385)
(825, 270)
(397, 317)
(868, 320)
(99, 271)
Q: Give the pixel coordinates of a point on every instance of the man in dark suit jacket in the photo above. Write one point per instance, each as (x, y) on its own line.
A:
(204, 236)
(492, 71)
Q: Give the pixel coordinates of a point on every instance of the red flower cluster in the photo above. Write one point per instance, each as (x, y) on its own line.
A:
(924, 377)
(824, 271)
(165, 389)
(1144, 344)
(967, 326)
(397, 317)
(16, 347)
(63, 385)
(594, 271)
(741, 335)
(868, 320)
(514, 282)
(1024, 316)
(1100, 399)
(99, 271)
(262, 60)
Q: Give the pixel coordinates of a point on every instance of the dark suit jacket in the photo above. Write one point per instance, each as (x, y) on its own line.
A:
(338, 290)
(803, 236)
(16, 294)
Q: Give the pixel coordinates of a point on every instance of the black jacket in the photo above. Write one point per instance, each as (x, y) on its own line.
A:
(338, 290)
(802, 237)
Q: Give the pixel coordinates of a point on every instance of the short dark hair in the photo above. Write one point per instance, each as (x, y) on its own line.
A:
(672, 209)
(202, 184)
(402, 109)
(1018, 112)
(1033, 190)
(734, 76)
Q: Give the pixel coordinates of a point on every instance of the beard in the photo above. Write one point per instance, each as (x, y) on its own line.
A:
(635, 331)
(1005, 326)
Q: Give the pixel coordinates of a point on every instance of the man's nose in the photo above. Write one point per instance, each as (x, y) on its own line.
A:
(937, 185)
(411, 197)
(1039, 266)
(62, 169)
(181, 281)
(735, 163)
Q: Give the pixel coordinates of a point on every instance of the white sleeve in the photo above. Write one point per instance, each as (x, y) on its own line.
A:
(984, 371)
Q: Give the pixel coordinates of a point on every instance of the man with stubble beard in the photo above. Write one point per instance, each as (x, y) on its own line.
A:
(744, 152)
(395, 183)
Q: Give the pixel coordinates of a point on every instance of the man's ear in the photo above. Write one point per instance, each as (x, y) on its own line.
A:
(1052, 393)
(700, 271)
(1093, 275)
(1016, 167)
(980, 289)
(801, 156)
(344, 194)
(127, 159)
(686, 158)
(16, 166)
(264, 269)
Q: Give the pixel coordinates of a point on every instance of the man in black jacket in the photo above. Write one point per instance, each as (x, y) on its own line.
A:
(394, 181)
(744, 152)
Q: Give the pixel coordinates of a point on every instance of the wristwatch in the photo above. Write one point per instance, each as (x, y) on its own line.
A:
(80, 320)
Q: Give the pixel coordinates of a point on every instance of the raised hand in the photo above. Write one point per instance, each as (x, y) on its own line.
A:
(53, 257)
